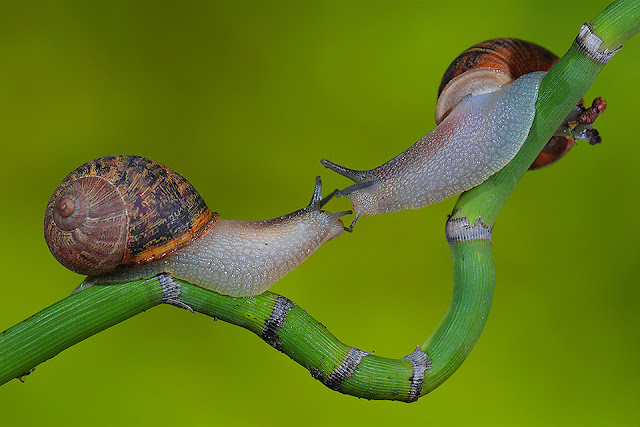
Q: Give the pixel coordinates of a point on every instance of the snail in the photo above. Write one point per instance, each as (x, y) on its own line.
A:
(485, 109)
(123, 218)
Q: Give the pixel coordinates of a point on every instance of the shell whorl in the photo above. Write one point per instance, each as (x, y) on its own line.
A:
(495, 63)
(122, 210)
(513, 56)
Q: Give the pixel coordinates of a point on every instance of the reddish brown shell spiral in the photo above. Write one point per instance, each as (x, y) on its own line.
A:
(513, 56)
(122, 210)
(516, 58)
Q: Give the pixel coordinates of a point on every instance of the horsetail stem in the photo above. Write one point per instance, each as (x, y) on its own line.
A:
(288, 328)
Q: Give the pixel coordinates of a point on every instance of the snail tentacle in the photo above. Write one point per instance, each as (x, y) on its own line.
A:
(352, 174)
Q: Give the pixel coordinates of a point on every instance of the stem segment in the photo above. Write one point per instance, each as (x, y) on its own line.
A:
(69, 321)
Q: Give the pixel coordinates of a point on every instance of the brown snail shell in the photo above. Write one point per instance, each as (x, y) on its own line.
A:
(494, 63)
(122, 211)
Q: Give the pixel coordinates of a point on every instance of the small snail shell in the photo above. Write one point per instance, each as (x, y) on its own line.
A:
(123, 218)
(486, 66)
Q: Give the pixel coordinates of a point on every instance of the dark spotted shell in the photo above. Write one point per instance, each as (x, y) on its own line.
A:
(516, 58)
(122, 211)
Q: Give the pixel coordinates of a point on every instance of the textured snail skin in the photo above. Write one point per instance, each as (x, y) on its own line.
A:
(241, 258)
(477, 139)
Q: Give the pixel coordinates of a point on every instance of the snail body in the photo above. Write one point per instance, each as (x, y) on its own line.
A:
(485, 109)
(123, 218)
(477, 139)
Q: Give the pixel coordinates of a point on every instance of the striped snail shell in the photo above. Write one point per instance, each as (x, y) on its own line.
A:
(123, 218)
(122, 211)
(488, 65)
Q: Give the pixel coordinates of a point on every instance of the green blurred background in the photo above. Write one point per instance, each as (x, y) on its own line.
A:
(244, 99)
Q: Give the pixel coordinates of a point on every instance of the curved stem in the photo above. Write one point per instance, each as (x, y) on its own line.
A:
(461, 326)
(288, 328)
(474, 275)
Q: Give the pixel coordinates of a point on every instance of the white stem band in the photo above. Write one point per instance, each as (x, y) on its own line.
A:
(421, 362)
(170, 289)
(346, 369)
(589, 43)
(460, 230)
(276, 321)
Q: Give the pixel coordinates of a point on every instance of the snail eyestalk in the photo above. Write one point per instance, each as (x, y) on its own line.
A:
(317, 202)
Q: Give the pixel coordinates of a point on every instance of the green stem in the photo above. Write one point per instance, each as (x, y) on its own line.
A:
(461, 326)
(288, 328)
(560, 90)
(306, 341)
(69, 321)
(617, 23)
(474, 276)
